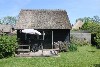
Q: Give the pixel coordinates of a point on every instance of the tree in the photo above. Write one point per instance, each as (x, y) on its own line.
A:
(0, 21)
(93, 26)
(9, 20)
(81, 19)
(96, 18)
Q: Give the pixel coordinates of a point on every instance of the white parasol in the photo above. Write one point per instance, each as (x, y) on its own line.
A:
(31, 31)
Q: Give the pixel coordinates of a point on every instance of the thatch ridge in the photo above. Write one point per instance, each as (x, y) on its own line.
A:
(42, 10)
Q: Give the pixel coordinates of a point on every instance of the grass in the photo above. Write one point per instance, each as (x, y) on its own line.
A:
(85, 56)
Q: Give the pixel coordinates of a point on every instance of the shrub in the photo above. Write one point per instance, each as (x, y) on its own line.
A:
(94, 28)
(74, 42)
(97, 39)
(8, 44)
(63, 46)
(72, 47)
(78, 42)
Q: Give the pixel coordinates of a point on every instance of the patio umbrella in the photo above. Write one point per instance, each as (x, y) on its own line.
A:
(31, 31)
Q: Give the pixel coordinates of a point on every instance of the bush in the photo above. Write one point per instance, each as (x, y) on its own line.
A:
(97, 39)
(78, 42)
(94, 28)
(8, 44)
(72, 47)
(63, 46)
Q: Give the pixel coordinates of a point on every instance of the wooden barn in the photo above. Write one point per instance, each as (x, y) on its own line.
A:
(53, 25)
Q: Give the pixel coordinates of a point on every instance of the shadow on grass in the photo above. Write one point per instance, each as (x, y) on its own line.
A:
(96, 65)
(91, 51)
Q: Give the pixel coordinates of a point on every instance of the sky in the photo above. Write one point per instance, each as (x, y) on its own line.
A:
(75, 8)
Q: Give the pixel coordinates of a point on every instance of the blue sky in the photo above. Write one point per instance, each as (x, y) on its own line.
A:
(75, 8)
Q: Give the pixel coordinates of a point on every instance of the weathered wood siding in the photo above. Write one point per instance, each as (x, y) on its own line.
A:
(61, 35)
(58, 35)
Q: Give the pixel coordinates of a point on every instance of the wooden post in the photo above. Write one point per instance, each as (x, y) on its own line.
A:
(42, 48)
(42, 43)
(43, 35)
(52, 39)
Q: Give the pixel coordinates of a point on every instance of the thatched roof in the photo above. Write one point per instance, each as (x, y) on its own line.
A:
(43, 19)
(5, 28)
(78, 25)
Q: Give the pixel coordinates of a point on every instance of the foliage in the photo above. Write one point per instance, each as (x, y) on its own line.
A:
(89, 19)
(96, 19)
(75, 42)
(63, 46)
(93, 26)
(9, 20)
(85, 56)
(78, 42)
(72, 47)
(8, 45)
(97, 39)
(0, 21)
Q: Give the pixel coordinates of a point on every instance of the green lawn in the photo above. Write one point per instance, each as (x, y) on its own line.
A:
(85, 56)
